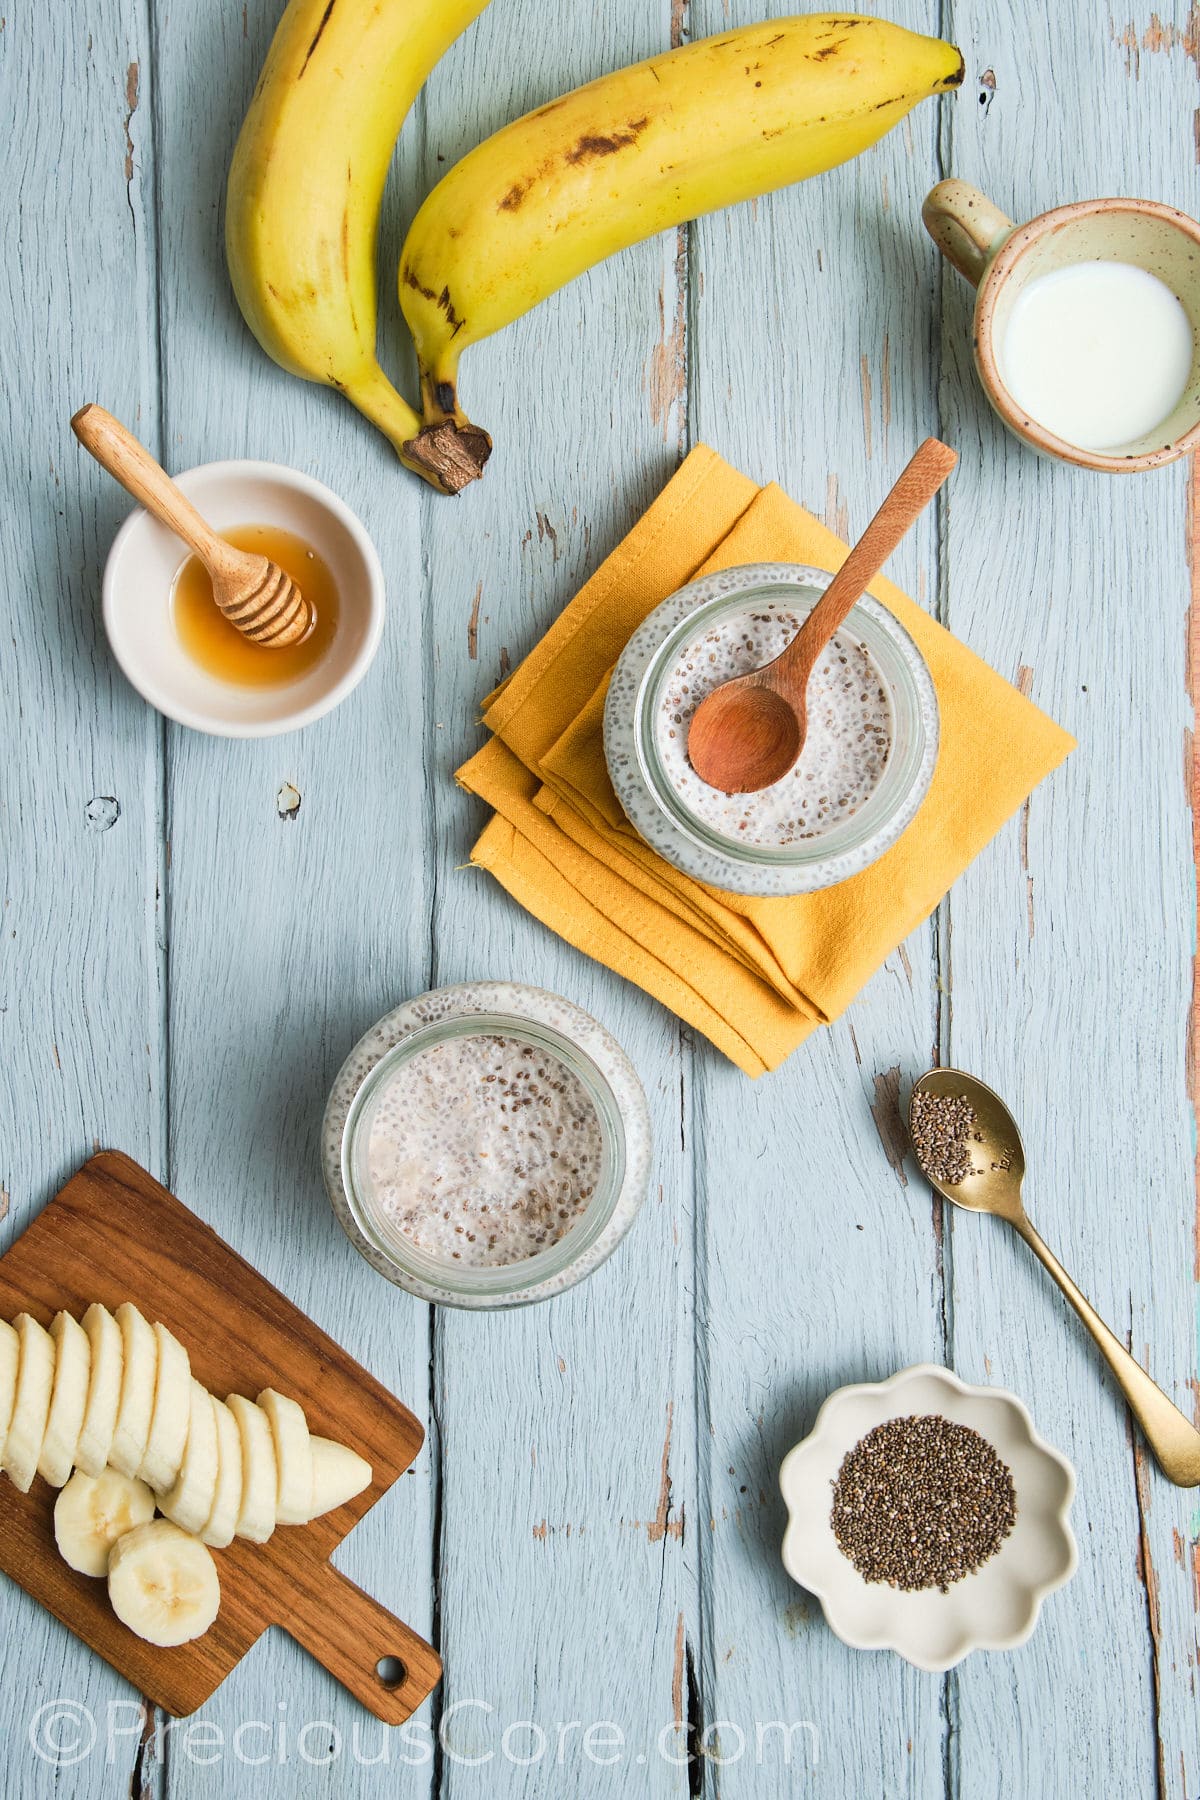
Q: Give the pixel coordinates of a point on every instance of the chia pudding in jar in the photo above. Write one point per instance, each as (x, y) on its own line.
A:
(845, 751)
(867, 760)
(484, 1150)
(486, 1145)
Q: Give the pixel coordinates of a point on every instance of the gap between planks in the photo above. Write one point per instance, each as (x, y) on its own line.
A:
(1192, 755)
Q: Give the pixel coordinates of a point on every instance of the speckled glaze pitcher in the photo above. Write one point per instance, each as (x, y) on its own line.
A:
(1000, 258)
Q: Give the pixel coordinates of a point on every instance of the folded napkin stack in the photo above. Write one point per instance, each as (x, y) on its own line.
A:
(755, 976)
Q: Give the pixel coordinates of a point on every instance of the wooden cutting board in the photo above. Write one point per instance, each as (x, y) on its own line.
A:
(114, 1234)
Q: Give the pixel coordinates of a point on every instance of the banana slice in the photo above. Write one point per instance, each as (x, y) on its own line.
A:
(72, 1371)
(92, 1512)
(165, 1446)
(163, 1584)
(260, 1481)
(10, 1362)
(338, 1474)
(31, 1409)
(104, 1391)
(190, 1501)
(221, 1524)
(293, 1457)
(139, 1377)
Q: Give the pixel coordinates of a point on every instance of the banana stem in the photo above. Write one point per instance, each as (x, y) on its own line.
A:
(439, 391)
(446, 454)
(449, 445)
(378, 400)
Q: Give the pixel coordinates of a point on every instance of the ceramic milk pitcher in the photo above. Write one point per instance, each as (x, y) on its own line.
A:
(1105, 259)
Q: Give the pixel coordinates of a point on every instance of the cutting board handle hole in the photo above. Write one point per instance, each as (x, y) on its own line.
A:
(391, 1671)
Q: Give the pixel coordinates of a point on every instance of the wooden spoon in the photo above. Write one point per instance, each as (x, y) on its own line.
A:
(747, 733)
(254, 594)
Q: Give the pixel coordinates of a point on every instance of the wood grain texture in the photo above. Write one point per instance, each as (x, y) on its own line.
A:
(595, 1507)
(323, 922)
(112, 1235)
(81, 1006)
(588, 1611)
(813, 364)
(1097, 964)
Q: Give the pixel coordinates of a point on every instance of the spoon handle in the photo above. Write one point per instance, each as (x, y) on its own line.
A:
(130, 463)
(1173, 1439)
(918, 482)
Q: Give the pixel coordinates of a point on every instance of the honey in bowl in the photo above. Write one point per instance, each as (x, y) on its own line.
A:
(220, 648)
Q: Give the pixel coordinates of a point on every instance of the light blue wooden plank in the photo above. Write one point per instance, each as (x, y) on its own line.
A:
(568, 1526)
(552, 1627)
(288, 937)
(1069, 977)
(80, 1049)
(812, 356)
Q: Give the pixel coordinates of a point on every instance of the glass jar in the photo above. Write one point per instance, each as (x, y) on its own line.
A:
(477, 1020)
(651, 797)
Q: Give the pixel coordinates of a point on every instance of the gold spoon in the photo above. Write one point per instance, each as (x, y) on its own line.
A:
(994, 1186)
(747, 733)
(256, 595)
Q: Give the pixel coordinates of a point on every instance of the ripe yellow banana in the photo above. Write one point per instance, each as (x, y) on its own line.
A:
(639, 151)
(304, 194)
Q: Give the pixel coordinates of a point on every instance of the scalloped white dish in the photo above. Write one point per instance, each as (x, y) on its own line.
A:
(996, 1607)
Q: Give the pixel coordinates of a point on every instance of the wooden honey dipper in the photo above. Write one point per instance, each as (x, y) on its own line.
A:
(254, 594)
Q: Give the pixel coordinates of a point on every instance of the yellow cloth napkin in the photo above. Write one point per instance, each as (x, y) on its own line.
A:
(755, 976)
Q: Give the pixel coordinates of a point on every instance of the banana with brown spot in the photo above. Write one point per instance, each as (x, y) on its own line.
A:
(637, 152)
(305, 188)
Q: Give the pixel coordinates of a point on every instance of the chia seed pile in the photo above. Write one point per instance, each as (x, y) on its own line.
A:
(849, 731)
(942, 1127)
(921, 1502)
(484, 1150)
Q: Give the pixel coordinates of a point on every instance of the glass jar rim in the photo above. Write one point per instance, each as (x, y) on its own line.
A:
(492, 1281)
(902, 777)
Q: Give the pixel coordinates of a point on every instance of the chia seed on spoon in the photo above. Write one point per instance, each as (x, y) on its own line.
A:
(942, 1127)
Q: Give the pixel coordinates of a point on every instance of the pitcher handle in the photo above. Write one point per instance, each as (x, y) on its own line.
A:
(965, 226)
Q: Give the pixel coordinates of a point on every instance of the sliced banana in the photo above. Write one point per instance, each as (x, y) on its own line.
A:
(260, 1481)
(162, 1583)
(165, 1446)
(139, 1377)
(10, 1362)
(221, 1524)
(338, 1474)
(115, 1398)
(72, 1370)
(104, 1391)
(190, 1501)
(293, 1457)
(92, 1512)
(31, 1409)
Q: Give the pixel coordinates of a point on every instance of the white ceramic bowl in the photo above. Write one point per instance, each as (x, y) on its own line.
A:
(145, 559)
(995, 1608)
